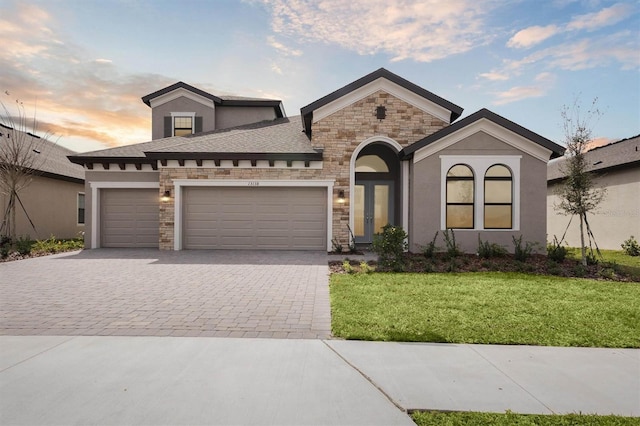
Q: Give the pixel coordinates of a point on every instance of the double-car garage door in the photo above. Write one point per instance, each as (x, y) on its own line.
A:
(276, 218)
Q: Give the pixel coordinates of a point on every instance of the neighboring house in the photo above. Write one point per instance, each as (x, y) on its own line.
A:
(54, 200)
(615, 167)
(379, 150)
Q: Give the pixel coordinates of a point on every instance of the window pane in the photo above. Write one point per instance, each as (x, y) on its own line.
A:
(81, 201)
(358, 210)
(370, 164)
(182, 132)
(497, 217)
(381, 206)
(459, 216)
(498, 171)
(460, 170)
(182, 123)
(459, 191)
(497, 191)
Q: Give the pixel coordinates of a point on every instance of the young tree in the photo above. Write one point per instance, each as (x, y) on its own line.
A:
(21, 158)
(578, 193)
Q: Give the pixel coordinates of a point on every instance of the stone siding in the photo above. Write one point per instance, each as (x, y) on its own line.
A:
(339, 134)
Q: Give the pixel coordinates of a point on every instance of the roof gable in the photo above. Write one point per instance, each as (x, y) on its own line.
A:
(380, 79)
(488, 122)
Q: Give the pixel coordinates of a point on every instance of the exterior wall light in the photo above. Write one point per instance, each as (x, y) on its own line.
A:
(166, 196)
(341, 199)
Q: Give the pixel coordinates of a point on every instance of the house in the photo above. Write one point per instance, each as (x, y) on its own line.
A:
(616, 168)
(378, 150)
(54, 199)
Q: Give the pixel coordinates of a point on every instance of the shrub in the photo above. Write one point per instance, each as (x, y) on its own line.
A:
(365, 268)
(352, 240)
(453, 250)
(556, 251)
(346, 265)
(521, 253)
(487, 250)
(390, 246)
(23, 245)
(631, 247)
(337, 247)
(430, 249)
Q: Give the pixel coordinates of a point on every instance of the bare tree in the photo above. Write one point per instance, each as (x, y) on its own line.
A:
(21, 158)
(578, 193)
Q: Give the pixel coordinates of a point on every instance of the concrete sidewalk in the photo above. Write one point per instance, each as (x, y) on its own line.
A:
(166, 380)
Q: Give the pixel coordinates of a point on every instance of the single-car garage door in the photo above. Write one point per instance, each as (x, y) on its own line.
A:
(129, 218)
(279, 218)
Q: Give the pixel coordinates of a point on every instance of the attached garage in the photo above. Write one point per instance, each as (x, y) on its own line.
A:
(275, 218)
(129, 217)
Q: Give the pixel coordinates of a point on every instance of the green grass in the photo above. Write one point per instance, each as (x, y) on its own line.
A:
(508, 419)
(629, 264)
(487, 307)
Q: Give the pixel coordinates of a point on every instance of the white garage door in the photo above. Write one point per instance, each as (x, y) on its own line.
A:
(282, 218)
(129, 218)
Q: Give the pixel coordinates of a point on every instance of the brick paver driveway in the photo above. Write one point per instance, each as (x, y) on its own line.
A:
(145, 292)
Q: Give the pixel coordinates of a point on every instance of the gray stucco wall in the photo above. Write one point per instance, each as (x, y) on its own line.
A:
(425, 197)
(98, 176)
(52, 205)
(181, 104)
(616, 219)
(236, 116)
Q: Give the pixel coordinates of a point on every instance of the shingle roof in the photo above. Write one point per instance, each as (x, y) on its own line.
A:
(484, 113)
(620, 154)
(284, 135)
(225, 100)
(51, 158)
(307, 111)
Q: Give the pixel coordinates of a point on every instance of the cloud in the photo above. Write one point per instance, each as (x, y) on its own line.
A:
(424, 30)
(495, 76)
(605, 17)
(85, 101)
(287, 51)
(543, 82)
(532, 36)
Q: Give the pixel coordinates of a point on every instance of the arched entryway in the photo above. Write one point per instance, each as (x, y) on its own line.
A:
(376, 190)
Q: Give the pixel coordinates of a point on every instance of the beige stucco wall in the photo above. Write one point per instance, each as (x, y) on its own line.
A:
(236, 116)
(52, 205)
(339, 135)
(110, 176)
(616, 219)
(425, 197)
(181, 104)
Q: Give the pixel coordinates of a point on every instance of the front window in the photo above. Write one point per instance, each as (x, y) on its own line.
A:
(460, 197)
(80, 208)
(182, 126)
(498, 198)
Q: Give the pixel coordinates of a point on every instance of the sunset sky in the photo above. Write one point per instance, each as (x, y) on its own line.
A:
(81, 66)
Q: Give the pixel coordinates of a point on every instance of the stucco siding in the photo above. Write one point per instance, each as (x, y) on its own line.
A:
(52, 205)
(227, 116)
(425, 193)
(182, 104)
(616, 219)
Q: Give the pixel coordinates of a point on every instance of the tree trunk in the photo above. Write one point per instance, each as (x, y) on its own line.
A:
(583, 249)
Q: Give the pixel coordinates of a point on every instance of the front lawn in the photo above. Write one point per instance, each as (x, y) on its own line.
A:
(508, 419)
(486, 307)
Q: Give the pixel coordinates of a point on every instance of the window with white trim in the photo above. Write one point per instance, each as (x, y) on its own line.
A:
(182, 123)
(80, 208)
(480, 192)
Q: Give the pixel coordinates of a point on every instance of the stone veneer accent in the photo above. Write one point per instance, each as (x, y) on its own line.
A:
(339, 134)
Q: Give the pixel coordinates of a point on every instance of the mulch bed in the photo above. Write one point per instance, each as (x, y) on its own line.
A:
(535, 264)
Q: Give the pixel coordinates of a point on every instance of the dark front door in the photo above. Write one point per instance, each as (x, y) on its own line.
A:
(373, 208)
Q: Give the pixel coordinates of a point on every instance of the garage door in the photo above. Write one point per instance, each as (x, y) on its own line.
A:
(283, 218)
(129, 218)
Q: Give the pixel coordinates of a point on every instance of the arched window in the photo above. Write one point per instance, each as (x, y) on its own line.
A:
(371, 164)
(498, 198)
(460, 197)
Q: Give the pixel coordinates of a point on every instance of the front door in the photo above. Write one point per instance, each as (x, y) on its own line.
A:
(373, 209)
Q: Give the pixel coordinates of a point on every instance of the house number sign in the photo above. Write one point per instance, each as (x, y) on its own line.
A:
(253, 183)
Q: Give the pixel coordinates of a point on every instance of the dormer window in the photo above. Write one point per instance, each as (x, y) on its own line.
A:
(183, 123)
